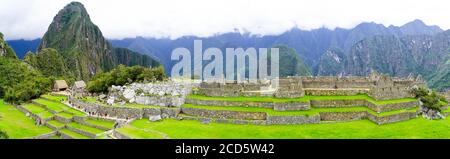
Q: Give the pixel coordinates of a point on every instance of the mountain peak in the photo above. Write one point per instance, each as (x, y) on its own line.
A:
(415, 23)
(418, 26)
(80, 41)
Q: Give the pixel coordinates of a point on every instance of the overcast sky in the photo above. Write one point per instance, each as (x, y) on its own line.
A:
(117, 19)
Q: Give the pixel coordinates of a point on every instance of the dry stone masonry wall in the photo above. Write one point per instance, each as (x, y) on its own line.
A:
(377, 86)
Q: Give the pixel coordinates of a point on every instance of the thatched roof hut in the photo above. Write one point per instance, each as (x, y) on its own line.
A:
(60, 85)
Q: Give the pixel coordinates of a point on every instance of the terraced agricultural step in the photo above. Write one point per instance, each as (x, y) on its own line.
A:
(85, 130)
(38, 111)
(55, 125)
(58, 107)
(219, 120)
(64, 117)
(69, 134)
(99, 124)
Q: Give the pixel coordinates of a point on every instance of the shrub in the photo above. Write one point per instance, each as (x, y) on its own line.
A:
(3, 135)
(123, 75)
(430, 99)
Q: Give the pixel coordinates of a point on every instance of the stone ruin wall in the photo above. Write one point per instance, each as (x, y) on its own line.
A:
(378, 87)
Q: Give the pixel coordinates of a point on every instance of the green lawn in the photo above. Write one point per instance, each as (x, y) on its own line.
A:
(17, 125)
(85, 128)
(65, 115)
(138, 133)
(103, 123)
(302, 99)
(362, 129)
(41, 112)
(73, 134)
(58, 107)
(56, 123)
(310, 112)
(55, 98)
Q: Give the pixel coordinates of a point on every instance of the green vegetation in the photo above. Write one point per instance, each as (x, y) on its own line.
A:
(65, 115)
(4, 47)
(291, 64)
(310, 112)
(430, 99)
(140, 132)
(56, 123)
(102, 123)
(73, 134)
(17, 125)
(20, 83)
(68, 34)
(123, 75)
(41, 112)
(50, 63)
(58, 107)
(302, 99)
(3, 135)
(85, 128)
(55, 98)
(362, 129)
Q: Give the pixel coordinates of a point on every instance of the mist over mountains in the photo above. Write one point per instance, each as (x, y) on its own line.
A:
(413, 48)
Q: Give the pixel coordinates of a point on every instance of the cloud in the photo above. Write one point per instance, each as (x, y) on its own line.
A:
(117, 19)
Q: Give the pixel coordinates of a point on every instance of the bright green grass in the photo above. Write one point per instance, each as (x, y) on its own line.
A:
(310, 112)
(56, 123)
(362, 129)
(17, 125)
(138, 133)
(58, 107)
(102, 123)
(41, 112)
(55, 98)
(65, 115)
(74, 134)
(85, 128)
(302, 99)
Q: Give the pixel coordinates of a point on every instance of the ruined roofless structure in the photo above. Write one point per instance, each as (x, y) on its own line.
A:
(377, 86)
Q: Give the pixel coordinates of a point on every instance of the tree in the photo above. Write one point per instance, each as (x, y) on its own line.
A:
(430, 99)
(19, 82)
(291, 64)
(3, 135)
(123, 75)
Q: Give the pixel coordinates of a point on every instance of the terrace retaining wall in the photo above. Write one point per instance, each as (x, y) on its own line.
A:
(280, 120)
(125, 112)
(119, 135)
(275, 105)
(79, 131)
(46, 136)
(224, 114)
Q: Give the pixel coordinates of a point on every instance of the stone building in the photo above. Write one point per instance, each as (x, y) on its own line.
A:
(377, 86)
(79, 88)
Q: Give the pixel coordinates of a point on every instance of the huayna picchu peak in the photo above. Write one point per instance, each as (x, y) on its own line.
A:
(81, 43)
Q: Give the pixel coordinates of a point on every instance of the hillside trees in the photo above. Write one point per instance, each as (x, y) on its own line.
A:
(123, 75)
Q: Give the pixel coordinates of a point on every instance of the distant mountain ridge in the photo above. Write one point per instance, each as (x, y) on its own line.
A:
(424, 55)
(309, 44)
(22, 47)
